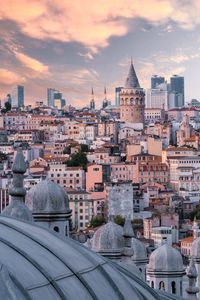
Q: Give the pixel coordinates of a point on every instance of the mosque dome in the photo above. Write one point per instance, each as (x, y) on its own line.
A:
(139, 250)
(47, 197)
(36, 263)
(108, 239)
(165, 259)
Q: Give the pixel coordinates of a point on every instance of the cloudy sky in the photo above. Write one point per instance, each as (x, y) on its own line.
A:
(74, 45)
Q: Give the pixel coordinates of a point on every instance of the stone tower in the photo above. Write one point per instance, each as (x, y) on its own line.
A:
(132, 100)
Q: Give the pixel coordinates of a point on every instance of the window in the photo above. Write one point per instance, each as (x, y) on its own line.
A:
(161, 286)
(81, 217)
(173, 287)
(81, 211)
(56, 228)
(81, 204)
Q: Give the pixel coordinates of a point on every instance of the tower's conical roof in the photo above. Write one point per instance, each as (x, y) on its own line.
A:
(132, 80)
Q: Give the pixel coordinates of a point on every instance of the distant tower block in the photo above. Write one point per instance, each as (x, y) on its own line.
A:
(132, 100)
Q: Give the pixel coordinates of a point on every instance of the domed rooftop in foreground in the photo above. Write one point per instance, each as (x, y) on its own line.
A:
(36, 263)
(108, 239)
(47, 197)
(49, 205)
(166, 259)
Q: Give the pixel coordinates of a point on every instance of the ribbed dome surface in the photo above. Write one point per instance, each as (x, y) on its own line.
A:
(47, 197)
(108, 237)
(165, 259)
(37, 264)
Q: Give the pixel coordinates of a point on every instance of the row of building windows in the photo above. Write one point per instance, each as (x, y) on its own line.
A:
(65, 175)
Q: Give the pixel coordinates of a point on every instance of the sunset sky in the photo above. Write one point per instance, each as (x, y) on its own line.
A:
(74, 45)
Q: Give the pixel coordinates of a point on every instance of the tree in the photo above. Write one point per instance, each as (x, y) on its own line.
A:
(119, 220)
(156, 214)
(84, 148)
(7, 107)
(137, 221)
(194, 213)
(67, 150)
(97, 221)
(77, 160)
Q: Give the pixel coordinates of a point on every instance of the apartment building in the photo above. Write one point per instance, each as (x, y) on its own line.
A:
(123, 172)
(180, 167)
(82, 207)
(67, 177)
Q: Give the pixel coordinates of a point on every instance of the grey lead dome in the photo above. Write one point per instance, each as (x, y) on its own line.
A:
(108, 238)
(165, 259)
(37, 264)
(47, 197)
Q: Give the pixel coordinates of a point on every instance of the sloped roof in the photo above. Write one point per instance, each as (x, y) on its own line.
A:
(132, 80)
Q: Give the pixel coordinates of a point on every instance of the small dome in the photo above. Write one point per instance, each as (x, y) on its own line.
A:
(108, 238)
(47, 197)
(195, 250)
(139, 250)
(165, 259)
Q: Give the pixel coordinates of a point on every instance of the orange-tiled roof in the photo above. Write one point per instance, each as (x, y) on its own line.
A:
(192, 138)
(188, 239)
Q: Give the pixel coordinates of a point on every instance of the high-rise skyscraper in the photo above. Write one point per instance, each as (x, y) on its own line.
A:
(117, 96)
(158, 97)
(18, 96)
(177, 87)
(50, 96)
(132, 99)
(156, 80)
(53, 95)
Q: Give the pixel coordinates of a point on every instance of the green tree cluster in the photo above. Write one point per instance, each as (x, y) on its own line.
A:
(7, 107)
(97, 221)
(84, 148)
(77, 160)
(119, 220)
(194, 213)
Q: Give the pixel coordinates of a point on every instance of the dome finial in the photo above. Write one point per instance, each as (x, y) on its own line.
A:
(17, 208)
(128, 229)
(128, 234)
